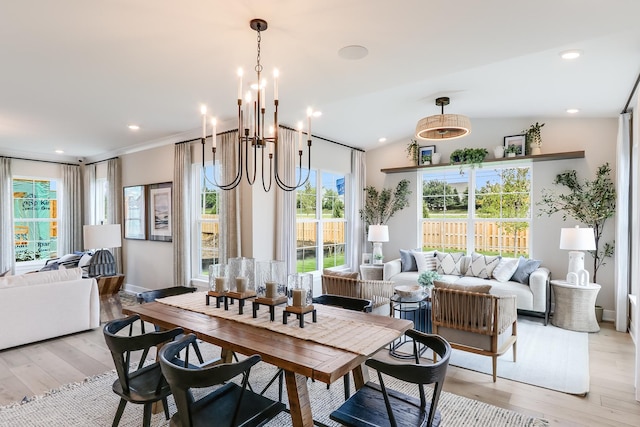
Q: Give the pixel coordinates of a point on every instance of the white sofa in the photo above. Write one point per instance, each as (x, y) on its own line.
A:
(533, 298)
(48, 304)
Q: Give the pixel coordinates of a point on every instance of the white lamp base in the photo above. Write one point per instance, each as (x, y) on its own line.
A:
(576, 261)
(377, 253)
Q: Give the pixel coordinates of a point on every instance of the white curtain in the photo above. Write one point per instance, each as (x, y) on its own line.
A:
(70, 234)
(114, 202)
(286, 202)
(7, 249)
(356, 240)
(90, 194)
(623, 249)
(229, 243)
(181, 219)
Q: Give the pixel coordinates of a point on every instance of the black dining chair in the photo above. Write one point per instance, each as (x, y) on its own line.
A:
(376, 405)
(229, 405)
(143, 384)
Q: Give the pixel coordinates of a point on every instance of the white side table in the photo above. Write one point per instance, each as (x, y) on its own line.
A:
(371, 271)
(575, 306)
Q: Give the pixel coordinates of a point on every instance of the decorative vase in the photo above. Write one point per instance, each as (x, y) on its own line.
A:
(498, 151)
(435, 158)
(535, 150)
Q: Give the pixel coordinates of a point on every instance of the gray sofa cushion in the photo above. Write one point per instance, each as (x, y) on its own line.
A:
(407, 260)
(525, 268)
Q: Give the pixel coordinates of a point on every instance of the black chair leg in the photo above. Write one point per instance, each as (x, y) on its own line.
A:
(116, 419)
(146, 419)
(347, 386)
(166, 408)
(280, 385)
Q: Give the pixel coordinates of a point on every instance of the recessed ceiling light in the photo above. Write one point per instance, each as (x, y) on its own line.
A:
(382, 140)
(572, 110)
(353, 52)
(134, 127)
(570, 54)
(59, 151)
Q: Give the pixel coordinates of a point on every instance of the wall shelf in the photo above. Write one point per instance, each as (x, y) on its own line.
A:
(538, 158)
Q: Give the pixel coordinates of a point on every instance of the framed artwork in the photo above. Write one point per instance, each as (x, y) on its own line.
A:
(366, 258)
(135, 213)
(425, 153)
(159, 212)
(514, 145)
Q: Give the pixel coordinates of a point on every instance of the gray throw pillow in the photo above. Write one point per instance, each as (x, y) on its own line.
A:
(524, 270)
(407, 261)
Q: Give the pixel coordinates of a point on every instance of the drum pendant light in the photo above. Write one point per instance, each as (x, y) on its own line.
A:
(443, 126)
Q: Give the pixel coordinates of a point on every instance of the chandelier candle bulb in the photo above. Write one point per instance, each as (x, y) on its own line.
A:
(309, 114)
(241, 284)
(276, 73)
(214, 122)
(300, 136)
(240, 73)
(203, 110)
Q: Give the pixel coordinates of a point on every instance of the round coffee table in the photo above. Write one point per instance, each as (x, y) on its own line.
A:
(575, 306)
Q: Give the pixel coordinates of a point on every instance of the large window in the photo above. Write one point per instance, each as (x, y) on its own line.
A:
(485, 210)
(320, 221)
(35, 219)
(206, 230)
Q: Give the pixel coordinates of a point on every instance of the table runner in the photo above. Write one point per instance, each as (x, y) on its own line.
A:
(354, 336)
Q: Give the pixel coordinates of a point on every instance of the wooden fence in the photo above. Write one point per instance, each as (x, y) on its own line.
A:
(489, 237)
(332, 232)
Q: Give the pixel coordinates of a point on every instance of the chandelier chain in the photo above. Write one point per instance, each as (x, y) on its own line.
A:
(258, 65)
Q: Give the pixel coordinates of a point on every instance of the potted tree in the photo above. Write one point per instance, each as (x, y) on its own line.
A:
(380, 206)
(590, 202)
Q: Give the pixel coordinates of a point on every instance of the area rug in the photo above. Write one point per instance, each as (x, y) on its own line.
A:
(547, 356)
(92, 403)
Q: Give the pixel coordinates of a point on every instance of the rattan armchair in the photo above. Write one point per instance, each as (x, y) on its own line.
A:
(476, 322)
(377, 291)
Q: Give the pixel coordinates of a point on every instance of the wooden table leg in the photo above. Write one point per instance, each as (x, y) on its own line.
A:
(226, 356)
(360, 376)
(299, 404)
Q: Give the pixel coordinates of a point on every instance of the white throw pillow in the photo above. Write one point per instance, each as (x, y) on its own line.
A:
(482, 265)
(505, 269)
(425, 260)
(449, 262)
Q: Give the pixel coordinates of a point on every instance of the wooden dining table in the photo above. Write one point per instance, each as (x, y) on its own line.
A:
(299, 358)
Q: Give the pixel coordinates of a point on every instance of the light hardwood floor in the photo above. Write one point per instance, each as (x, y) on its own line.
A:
(36, 368)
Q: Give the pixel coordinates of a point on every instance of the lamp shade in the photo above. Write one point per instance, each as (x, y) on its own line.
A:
(577, 239)
(102, 236)
(378, 233)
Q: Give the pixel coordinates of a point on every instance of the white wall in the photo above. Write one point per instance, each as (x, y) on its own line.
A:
(597, 137)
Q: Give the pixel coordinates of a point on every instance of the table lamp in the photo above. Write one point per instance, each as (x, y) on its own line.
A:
(576, 240)
(102, 237)
(377, 235)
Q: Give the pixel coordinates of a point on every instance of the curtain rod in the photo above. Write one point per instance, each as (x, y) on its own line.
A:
(42, 161)
(100, 161)
(633, 91)
(283, 127)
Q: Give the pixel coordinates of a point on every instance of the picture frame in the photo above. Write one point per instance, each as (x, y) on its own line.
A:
(519, 141)
(135, 212)
(366, 258)
(159, 212)
(425, 151)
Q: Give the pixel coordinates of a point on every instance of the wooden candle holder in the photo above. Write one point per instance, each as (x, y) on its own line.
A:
(271, 303)
(299, 311)
(240, 296)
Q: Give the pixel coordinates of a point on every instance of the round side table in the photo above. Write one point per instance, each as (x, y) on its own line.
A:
(575, 306)
(418, 310)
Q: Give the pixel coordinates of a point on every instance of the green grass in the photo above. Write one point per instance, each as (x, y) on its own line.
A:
(309, 264)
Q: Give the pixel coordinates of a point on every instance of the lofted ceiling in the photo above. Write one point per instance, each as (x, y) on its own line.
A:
(75, 73)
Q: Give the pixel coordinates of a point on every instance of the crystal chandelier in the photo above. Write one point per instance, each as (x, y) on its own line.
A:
(253, 141)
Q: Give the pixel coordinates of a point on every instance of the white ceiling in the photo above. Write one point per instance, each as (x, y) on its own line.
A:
(75, 73)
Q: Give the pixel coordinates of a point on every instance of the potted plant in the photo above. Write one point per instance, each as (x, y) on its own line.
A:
(426, 278)
(513, 150)
(469, 156)
(380, 206)
(590, 202)
(534, 138)
(413, 150)
(426, 159)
